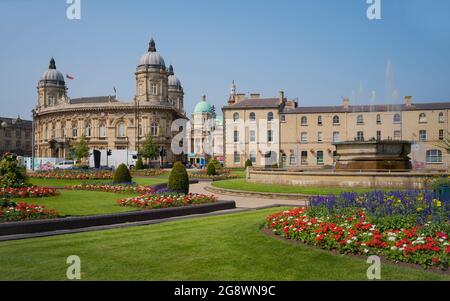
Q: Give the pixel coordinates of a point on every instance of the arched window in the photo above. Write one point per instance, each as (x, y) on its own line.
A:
(154, 129)
(397, 118)
(360, 119)
(336, 119)
(304, 120)
(87, 129)
(121, 130)
(252, 116)
(235, 117)
(102, 130)
(270, 117)
(74, 129)
(422, 118)
(441, 117)
(319, 120)
(434, 156)
(63, 130)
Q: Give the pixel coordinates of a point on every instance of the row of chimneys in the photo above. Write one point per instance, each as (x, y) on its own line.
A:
(346, 102)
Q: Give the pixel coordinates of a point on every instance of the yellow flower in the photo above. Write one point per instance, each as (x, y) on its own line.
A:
(419, 209)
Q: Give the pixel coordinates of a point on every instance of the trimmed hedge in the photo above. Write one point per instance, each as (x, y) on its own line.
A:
(122, 175)
(139, 164)
(178, 179)
(248, 163)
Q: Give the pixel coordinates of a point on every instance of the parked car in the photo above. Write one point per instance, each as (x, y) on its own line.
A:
(68, 164)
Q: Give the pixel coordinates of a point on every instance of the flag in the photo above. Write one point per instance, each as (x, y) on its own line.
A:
(115, 92)
(69, 77)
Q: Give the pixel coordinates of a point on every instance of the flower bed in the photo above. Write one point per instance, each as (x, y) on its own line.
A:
(24, 211)
(222, 174)
(393, 225)
(139, 189)
(148, 172)
(72, 175)
(27, 192)
(167, 200)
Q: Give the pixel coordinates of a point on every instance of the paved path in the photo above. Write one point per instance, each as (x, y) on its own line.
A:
(245, 202)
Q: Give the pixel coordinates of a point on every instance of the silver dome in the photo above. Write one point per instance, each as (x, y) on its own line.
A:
(152, 58)
(52, 74)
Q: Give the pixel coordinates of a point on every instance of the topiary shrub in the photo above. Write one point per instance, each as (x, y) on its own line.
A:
(211, 169)
(139, 164)
(178, 179)
(248, 163)
(216, 164)
(122, 175)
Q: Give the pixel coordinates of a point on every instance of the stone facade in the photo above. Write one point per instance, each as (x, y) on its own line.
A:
(15, 136)
(278, 131)
(106, 122)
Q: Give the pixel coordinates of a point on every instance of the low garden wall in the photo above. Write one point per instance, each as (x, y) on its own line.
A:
(37, 226)
(390, 180)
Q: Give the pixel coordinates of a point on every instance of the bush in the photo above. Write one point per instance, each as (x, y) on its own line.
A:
(211, 169)
(178, 179)
(139, 164)
(122, 175)
(248, 163)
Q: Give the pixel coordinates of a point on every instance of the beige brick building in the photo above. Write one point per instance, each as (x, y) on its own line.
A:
(278, 131)
(106, 122)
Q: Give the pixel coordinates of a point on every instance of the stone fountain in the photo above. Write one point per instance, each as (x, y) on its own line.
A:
(373, 155)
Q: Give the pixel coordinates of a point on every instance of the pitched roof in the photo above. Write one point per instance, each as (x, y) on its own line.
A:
(370, 108)
(95, 99)
(255, 103)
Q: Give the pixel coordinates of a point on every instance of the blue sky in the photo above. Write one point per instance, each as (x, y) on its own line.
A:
(315, 50)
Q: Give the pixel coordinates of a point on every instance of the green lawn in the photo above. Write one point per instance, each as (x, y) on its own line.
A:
(228, 247)
(241, 184)
(63, 182)
(80, 203)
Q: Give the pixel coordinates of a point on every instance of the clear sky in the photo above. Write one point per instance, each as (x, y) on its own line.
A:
(315, 50)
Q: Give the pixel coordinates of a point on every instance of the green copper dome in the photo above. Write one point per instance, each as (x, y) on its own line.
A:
(203, 107)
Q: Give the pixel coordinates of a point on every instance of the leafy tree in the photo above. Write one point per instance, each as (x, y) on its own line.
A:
(81, 149)
(445, 143)
(11, 174)
(122, 175)
(149, 149)
(178, 179)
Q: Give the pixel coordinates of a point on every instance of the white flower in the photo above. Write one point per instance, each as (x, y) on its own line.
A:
(391, 238)
(349, 241)
(393, 248)
(366, 250)
(363, 244)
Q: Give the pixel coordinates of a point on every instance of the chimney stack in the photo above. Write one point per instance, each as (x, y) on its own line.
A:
(408, 101)
(346, 103)
(281, 96)
(255, 95)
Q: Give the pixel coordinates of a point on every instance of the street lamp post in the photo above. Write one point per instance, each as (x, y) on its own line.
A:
(33, 113)
(4, 125)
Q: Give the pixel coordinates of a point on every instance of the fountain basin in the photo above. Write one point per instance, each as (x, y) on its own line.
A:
(385, 155)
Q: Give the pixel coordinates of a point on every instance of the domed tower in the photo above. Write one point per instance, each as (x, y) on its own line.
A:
(151, 78)
(176, 94)
(51, 88)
